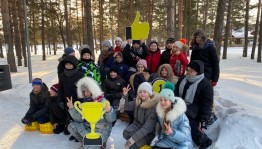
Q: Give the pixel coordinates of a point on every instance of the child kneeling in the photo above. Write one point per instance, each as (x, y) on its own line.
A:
(88, 90)
(175, 129)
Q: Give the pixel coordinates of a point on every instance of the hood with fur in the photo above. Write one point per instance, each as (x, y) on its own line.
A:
(148, 104)
(91, 85)
(178, 109)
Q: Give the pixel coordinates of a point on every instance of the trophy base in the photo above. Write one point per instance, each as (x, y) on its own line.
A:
(96, 142)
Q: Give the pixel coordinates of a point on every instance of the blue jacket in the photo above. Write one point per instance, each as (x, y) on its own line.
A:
(181, 136)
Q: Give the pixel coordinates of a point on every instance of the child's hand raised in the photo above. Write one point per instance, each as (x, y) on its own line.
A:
(69, 103)
(107, 108)
(168, 129)
(126, 90)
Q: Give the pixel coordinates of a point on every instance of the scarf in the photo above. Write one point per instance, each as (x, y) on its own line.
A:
(70, 72)
(190, 93)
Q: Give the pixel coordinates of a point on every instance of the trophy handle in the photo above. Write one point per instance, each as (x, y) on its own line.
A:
(104, 105)
(78, 106)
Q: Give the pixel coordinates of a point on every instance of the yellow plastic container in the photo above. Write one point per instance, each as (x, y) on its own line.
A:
(146, 147)
(46, 128)
(33, 127)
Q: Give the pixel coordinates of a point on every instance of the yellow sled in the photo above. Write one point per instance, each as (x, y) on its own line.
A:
(146, 147)
(33, 127)
(46, 128)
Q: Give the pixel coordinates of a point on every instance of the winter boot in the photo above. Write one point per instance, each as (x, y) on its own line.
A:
(58, 129)
(212, 119)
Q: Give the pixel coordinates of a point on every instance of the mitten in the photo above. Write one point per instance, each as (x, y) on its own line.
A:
(121, 106)
(213, 83)
(129, 143)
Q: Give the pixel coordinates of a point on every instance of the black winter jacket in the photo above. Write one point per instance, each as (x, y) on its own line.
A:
(165, 57)
(38, 103)
(208, 56)
(201, 107)
(56, 113)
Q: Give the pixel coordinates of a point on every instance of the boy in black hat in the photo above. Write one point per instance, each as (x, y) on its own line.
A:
(165, 56)
(87, 66)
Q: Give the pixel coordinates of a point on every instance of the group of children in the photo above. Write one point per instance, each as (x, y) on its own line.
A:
(123, 77)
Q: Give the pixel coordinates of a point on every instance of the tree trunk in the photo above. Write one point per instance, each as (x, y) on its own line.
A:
(34, 31)
(78, 25)
(256, 32)
(188, 20)
(43, 29)
(101, 22)
(180, 17)
(68, 33)
(1, 49)
(260, 40)
(170, 18)
(89, 26)
(7, 35)
(227, 31)
(219, 25)
(246, 29)
(150, 5)
(84, 29)
(205, 15)
(16, 34)
(118, 18)
(22, 30)
(197, 5)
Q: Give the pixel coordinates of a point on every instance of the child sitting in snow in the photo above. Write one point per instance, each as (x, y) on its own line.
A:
(89, 91)
(142, 131)
(38, 109)
(57, 115)
(175, 130)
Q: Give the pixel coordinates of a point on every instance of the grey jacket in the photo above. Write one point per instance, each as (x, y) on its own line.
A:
(103, 126)
(145, 118)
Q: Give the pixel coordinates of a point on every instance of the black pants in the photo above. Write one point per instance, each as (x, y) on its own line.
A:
(199, 137)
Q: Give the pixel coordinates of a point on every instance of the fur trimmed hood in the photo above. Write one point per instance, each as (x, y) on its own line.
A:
(148, 104)
(178, 109)
(92, 86)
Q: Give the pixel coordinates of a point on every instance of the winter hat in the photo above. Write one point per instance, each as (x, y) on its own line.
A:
(168, 92)
(71, 59)
(142, 62)
(123, 45)
(179, 44)
(68, 50)
(136, 41)
(37, 81)
(85, 50)
(107, 43)
(118, 39)
(183, 40)
(197, 65)
(170, 40)
(90, 84)
(146, 87)
(118, 53)
(114, 69)
(54, 87)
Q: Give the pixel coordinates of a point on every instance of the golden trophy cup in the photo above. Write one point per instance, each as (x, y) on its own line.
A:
(92, 112)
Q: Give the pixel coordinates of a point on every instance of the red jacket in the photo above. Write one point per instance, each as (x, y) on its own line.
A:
(153, 60)
(178, 63)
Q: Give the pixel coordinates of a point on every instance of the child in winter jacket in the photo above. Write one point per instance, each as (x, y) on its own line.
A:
(87, 66)
(153, 59)
(174, 125)
(140, 76)
(113, 86)
(178, 59)
(165, 72)
(38, 109)
(119, 63)
(133, 54)
(89, 91)
(142, 130)
(57, 115)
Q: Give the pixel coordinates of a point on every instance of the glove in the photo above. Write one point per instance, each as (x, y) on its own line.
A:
(203, 125)
(27, 120)
(129, 143)
(213, 83)
(121, 106)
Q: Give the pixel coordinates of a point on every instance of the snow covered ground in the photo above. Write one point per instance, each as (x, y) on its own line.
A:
(238, 101)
